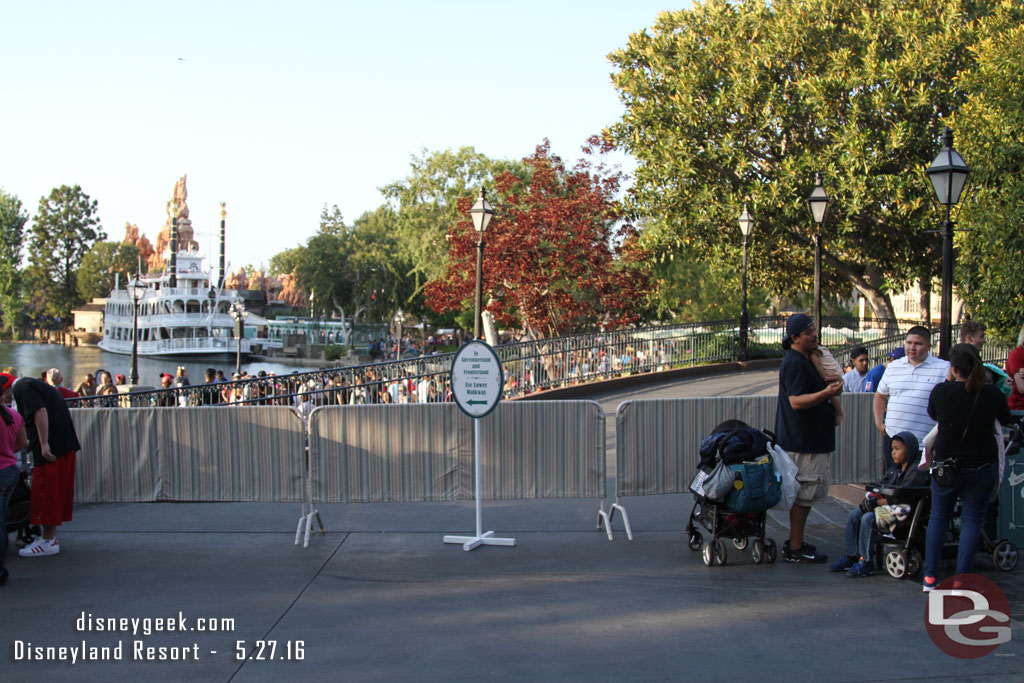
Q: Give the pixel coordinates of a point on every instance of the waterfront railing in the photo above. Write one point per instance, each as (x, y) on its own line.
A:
(529, 366)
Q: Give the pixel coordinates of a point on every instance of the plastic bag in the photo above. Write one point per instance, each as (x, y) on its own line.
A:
(786, 469)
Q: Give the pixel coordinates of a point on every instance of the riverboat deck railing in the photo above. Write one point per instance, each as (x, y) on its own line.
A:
(529, 367)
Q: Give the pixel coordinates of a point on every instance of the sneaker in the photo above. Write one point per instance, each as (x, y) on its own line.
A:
(929, 584)
(843, 563)
(862, 568)
(805, 553)
(40, 546)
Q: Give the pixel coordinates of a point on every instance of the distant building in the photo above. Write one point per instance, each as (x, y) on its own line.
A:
(88, 322)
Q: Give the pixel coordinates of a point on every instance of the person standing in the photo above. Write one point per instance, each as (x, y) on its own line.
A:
(53, 442)
(1015, 369)
(901, 401)
(965, 410)
(55, 379)
(854, 379)
(12, 440)
(805, 426)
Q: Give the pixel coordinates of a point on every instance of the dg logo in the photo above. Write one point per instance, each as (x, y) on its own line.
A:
(968, 616)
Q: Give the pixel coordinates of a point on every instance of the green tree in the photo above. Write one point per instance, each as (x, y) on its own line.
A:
(12, 230)
(990, 136)
(104, 260)
(64, 229)
(426, 204)
(734, 102)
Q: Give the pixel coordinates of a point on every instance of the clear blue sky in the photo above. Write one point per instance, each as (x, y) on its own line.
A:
(278, 108)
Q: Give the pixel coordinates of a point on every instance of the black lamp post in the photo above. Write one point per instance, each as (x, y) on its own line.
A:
(238, 313)
(135, 291)
(746, 225)
(818, 201)
(481, 214)
(948, 174)
(399, 321)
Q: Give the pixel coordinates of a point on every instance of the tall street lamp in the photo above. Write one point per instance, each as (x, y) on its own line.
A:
(948, 174)
(239, 314)
(399, 321)
(482, 213)
(135, 291)
(818, 201)
(746, 225)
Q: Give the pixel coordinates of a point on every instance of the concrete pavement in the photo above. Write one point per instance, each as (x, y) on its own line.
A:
(381, 598)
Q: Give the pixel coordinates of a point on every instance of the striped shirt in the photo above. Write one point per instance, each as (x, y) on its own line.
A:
(908, 388)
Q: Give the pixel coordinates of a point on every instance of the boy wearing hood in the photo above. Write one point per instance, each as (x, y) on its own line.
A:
(862, 524)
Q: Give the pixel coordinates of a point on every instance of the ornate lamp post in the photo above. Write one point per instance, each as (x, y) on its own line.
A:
(948, 174)
(482, 213)
(239, 314)
(818, 202)
(746, 225)
(135, 291)
(399, 321)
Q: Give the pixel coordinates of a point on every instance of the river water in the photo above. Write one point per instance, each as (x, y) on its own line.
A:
(32, 359)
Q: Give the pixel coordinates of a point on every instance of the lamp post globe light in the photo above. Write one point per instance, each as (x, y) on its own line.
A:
(135, 291)
(239, 314)
(399, 321)
(818, 202)
(746, 222)
(481, 213)
(948, 174)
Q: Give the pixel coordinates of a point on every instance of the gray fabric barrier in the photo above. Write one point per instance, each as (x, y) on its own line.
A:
(658, 440)
(424, 452)
(237, 454)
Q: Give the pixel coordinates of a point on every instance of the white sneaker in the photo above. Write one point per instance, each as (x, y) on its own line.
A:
(40, 546)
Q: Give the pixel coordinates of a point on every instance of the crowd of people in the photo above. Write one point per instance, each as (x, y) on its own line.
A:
(954, 409)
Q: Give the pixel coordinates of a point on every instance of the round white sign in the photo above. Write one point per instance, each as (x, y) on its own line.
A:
(477, 379)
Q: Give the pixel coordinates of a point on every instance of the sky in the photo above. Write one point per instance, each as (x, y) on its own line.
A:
(280, 108)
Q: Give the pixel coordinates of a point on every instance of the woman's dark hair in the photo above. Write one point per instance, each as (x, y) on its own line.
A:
(965, 360)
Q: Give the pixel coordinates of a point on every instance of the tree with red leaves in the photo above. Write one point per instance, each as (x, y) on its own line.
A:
(558, 258)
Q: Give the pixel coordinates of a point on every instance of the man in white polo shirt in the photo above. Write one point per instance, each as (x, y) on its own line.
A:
(901, 401)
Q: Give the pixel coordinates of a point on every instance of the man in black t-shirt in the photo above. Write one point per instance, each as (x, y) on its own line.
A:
(53, 442)
(805, 423)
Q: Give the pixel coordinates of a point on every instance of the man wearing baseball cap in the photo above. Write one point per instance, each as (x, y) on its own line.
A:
(53, 442)
(805, 426)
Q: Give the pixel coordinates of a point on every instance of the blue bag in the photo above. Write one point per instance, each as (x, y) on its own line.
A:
(756, 488)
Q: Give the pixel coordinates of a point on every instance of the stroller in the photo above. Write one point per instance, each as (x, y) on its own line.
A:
(17, 517)
(733, 489)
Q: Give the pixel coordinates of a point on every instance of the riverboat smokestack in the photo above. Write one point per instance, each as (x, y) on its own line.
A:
(223, 215)
(172, 269)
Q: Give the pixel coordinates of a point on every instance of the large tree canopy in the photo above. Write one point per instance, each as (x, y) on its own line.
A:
(990, 129)
(64, 229)
(557, 257)
(100, 265)
(734, 102)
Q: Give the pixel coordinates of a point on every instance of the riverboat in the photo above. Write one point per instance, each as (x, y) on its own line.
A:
(179, 314)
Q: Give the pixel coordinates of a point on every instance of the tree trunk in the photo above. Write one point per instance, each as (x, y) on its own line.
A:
(925, 303)
(869, 284)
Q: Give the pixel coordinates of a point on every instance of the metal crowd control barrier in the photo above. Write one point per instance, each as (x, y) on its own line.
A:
(142, 455)
(658, 441)
(412, 453)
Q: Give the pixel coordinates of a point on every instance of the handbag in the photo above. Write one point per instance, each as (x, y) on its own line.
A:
(719, 483)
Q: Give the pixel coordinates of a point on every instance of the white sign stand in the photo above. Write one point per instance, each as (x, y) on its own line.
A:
(477, 380)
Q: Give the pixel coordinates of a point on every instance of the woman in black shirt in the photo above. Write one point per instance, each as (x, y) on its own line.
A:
(966, 410)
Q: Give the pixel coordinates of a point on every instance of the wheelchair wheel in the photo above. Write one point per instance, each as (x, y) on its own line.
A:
(896, 564)
(1005, 556)
(914, 562)
(757, 552)
(695, 541)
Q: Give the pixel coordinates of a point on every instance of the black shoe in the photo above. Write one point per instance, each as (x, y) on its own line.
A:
(805, 553)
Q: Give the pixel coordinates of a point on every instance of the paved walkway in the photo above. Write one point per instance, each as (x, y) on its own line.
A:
(381, 598)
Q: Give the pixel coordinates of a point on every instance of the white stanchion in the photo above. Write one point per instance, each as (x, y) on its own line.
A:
(482, 537)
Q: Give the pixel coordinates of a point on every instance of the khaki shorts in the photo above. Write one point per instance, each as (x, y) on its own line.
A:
(813, 475)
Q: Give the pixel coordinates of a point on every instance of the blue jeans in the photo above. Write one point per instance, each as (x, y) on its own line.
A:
(976, 485)
(861, 534)
(8, 479)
